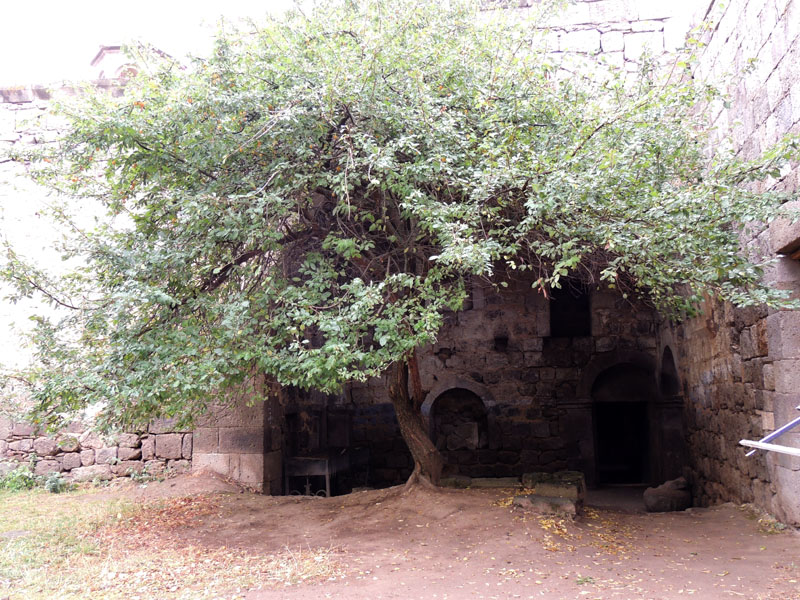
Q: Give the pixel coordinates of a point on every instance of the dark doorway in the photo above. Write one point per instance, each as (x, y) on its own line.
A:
(622, 442)
(623, 397)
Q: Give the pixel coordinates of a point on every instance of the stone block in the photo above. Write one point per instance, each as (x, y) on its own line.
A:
(3, 447)
(218, 463)
(784, 273)
(788, 461)
(125, 468)
(243, 440)
(169, 445)
(126, 454)
(149, 448)
(5, 428)
(100, 472)
(587, 40)
(22, 430)
(68, 443)
(128, 440)
(673, 495)
(563, 484)
(251, 470)
(160, 426)
(787, 376)
(71, 460)
(186, 446)
(783, 334)
(785, 232)
(155, 467)
(45, 446)
(21, 446)
(206, 440)
(45, 467)
(768, 376)
(612, 41)
(788, 491)
(105, 456)
(548, 505)
(91, 440)
(238, 415)
(87, 458)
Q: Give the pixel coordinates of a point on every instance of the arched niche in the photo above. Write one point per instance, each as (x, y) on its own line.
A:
(460, 422)
(458, 413)
(668, 381)
(452, 382)
(623, 397)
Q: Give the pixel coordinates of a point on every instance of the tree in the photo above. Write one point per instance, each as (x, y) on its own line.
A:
(308, 201)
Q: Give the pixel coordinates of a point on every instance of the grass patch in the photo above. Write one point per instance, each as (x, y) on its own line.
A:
(83, 544)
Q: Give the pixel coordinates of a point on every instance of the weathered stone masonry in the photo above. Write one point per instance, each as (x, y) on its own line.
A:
(741, 368)
(506, 392)
(82, 455)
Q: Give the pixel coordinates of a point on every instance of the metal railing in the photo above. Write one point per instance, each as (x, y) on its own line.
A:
(763, 443)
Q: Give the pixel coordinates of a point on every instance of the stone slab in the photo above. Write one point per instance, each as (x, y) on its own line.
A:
(169, 445)
(87, 458)
(495, 482)
(783, 334)
(125, 453)
(205, 440)
(71, 460)
(128, 440)
(127, 467)
(45, 467)
(244, 440)
(101, 472)
(45, 446)
(563, 484)
(68, 443)
(186, 446)
(105, 456)
(149, 448)
(785, 232)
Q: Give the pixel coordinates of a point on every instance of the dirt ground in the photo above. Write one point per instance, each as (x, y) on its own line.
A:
(464, 544)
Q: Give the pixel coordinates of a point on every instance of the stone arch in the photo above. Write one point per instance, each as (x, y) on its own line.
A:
(605, 361)
(458, 414)
(453, 382)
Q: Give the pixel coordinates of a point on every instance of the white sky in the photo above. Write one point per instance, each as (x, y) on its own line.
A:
(46, 41)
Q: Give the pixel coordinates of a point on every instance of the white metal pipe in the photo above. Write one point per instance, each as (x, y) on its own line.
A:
(772, 447)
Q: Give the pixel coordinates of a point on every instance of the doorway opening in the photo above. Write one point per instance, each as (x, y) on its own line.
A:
(622, 401)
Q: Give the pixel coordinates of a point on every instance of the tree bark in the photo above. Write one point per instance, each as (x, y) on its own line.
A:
(428, 462)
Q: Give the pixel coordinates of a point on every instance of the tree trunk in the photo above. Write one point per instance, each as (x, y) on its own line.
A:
(428, 462)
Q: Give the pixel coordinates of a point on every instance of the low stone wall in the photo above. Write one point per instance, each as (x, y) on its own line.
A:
(83, 455)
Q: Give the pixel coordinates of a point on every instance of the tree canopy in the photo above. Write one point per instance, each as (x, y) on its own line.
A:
(309, 200)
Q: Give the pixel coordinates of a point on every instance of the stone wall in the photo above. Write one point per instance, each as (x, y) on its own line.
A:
(243, 438)
(740, 369)
(532, 396)
(82, 455)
